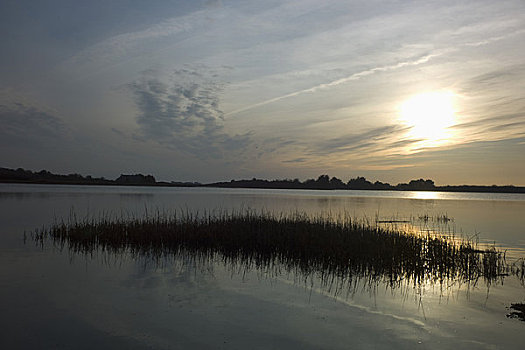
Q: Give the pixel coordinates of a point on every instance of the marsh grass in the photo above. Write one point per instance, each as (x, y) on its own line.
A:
(517, 311)
(333, 248)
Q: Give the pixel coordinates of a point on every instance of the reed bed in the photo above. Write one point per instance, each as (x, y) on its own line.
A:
(343, 248)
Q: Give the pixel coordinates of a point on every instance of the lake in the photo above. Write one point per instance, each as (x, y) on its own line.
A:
(52, 298)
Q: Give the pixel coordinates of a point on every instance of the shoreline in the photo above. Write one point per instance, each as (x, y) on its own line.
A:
(448, 188)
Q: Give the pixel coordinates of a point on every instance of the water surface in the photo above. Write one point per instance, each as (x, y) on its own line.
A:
(53, 299)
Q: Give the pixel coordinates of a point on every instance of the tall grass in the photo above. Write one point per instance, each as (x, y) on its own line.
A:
(341, 247)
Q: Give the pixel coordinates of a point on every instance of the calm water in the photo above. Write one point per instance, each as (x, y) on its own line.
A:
(51, 299)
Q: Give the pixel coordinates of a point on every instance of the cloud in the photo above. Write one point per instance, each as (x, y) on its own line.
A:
(183, 113)
(296, 160)
(495, 79)
(492, 105)
(414, 60)
(121, 49)
(495, 38)
(511, 127)
(355, 149)
(495, 128)
(374, 140)
(24, 123)
(352, 77)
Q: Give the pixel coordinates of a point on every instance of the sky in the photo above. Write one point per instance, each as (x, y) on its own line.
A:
(218, 90)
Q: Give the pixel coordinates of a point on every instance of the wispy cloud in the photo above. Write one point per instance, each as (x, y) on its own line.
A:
(184, 114)
(494, 108)
(29, 125)
(496, 78)
(414, 61)
(117, 50)
(296, 160)
(373, 140)
(495, 38)
(352, 77)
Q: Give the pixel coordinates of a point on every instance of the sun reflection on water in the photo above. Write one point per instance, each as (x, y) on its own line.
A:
(425, 195)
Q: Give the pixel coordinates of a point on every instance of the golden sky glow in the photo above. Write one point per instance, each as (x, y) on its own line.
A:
(429, 116)
(219, 90)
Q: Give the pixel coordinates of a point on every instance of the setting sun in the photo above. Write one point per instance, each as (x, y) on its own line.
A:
(429, 115)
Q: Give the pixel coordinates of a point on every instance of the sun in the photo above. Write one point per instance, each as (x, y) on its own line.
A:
(429, 116)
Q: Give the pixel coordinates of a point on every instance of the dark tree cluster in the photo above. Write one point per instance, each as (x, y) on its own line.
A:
(137, 179)
(46, 177)
(324, 182)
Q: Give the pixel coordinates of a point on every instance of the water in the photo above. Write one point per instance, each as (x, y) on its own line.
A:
(52, 299)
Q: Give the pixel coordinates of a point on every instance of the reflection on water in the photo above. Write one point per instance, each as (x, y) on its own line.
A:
(425, 195)
(341, 253)
(24, 195)
(136, 196)
(107, 301)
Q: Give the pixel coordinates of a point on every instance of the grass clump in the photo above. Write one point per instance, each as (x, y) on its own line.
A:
(342, 247)
(517, 311)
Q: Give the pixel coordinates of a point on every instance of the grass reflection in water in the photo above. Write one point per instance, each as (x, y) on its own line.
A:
(341, 249)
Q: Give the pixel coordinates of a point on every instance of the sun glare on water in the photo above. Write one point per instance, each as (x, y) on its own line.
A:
(429, 115)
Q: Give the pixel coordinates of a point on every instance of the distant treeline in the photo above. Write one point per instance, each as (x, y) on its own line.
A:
(46, 177)
(323, 182)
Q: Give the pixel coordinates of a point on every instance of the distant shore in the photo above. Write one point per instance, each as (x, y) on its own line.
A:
(323, 182)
